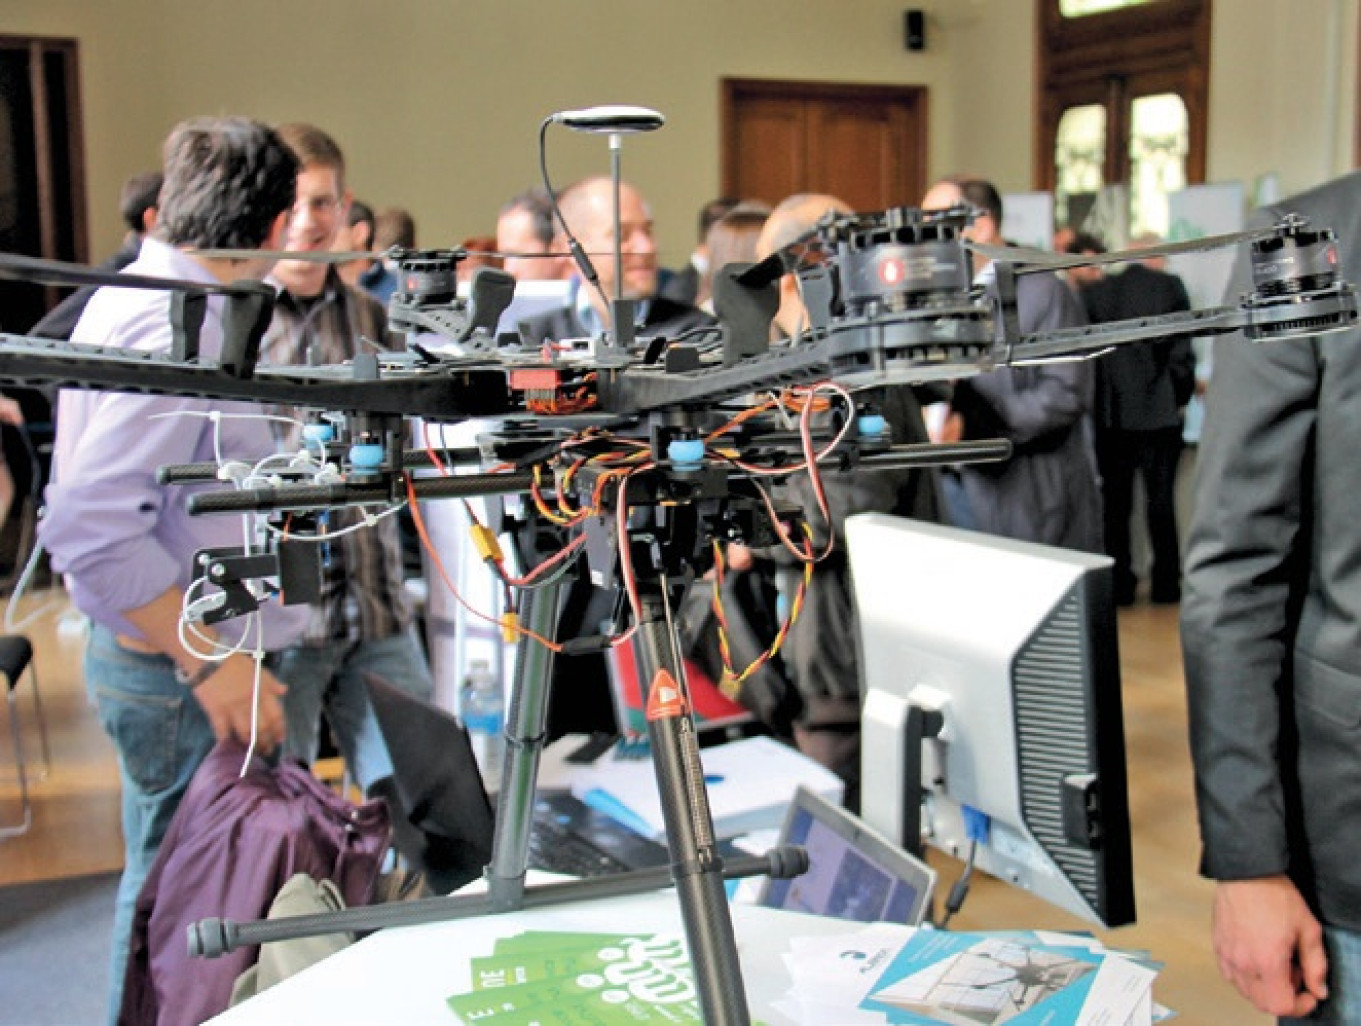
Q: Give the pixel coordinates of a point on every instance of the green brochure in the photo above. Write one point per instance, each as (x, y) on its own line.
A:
(582, 980)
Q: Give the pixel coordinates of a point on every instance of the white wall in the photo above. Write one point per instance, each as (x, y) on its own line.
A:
(985, 108)
(1282, 90)
(438, 102)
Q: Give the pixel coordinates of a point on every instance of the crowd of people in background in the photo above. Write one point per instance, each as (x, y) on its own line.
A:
(1085, 436)
(1082, 434)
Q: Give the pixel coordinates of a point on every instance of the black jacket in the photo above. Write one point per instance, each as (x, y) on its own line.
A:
(664, 317)
(1048, 491)
(681, 286)
(1144, 385)
(1271, 612)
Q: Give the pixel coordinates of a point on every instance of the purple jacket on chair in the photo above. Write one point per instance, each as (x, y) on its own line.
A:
(233, 843)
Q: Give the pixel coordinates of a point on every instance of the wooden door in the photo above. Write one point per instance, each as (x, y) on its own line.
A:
(864, 144)
(42, 189)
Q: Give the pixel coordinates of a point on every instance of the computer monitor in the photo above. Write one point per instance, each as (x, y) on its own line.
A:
(992, 711)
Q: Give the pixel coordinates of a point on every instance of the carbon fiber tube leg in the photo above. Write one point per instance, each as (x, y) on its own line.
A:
(525, 729)
(696, 866)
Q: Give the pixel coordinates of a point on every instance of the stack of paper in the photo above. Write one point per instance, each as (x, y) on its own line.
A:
(547, 978)
(750, 784)
(895, 974)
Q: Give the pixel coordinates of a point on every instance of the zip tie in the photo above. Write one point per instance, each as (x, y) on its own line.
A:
(233, 470)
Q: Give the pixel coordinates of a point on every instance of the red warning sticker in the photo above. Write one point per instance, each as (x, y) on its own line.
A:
(665, 698)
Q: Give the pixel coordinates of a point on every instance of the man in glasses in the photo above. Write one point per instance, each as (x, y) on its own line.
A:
(363, 623)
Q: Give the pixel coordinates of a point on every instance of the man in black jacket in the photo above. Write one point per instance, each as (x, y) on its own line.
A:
(1141, 390)
(813, 690)
(1271, 629)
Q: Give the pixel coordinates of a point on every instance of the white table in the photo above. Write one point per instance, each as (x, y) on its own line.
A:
(404, 974)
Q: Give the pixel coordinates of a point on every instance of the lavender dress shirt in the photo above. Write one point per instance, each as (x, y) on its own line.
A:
(120, 538)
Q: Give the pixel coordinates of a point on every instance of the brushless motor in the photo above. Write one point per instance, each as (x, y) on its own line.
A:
(1296, 285)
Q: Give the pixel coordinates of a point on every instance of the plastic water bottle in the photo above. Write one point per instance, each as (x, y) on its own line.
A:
(483, 707)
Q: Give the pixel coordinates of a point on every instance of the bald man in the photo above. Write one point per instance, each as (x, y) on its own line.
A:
(588, 209)
(822, 677)
(580, 698)
(792, 218)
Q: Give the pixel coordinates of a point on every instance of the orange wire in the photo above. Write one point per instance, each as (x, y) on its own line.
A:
(419, 522)
(430, 450)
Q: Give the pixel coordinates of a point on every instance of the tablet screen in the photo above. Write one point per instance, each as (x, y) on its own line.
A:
(853, 873)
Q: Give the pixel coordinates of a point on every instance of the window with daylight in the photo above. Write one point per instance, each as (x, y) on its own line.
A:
(1122, 109)
(1081, 8)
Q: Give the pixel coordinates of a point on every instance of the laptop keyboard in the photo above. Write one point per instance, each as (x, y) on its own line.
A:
(569, 837)
(556, 849)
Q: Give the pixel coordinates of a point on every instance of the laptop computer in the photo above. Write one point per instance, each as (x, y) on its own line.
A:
(854, 872)
(568, 836)
(438, 789)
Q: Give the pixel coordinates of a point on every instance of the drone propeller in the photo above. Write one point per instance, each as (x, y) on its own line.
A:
(345, 256)
(311, 256)
(17, 267)
(1029, 259)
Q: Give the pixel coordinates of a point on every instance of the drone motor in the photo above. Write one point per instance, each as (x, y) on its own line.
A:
(905, 280)
(427, 276)
(426, 279)
(1296, 286)
(904, 259)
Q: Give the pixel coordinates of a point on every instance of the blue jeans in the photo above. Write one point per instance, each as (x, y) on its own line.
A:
(958, 512)
(1343, 1007)
(331, 679)
(162, 737)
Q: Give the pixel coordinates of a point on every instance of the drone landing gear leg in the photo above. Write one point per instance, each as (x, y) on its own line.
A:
(696, 866)
(526, 724)
(697, 870)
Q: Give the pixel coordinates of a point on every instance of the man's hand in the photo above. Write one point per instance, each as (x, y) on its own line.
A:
(739, 557)
(10, 411)
(227, 695)
(735, 558)
(227, 698)
(1270, 946)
